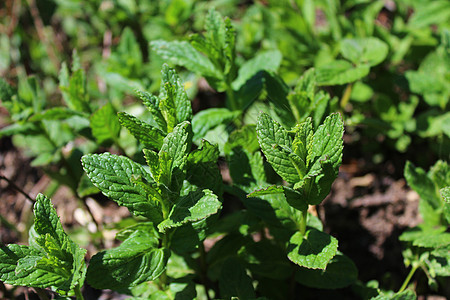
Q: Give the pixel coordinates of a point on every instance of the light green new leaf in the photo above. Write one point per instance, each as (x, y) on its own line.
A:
(207, 119)
(312, 251)
(113, 175)
(151, 137)
(340, 72)
(105, 124)
(326, 145)
(183, 54)
(268, 60)
(136, 260)
(177, 144)
(172, 90)
(74, 93)
(193, 207)
(152, 104)
(371, 51)
(339, 273)
(272, 139)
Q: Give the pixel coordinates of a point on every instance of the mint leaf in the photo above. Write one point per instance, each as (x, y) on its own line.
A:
(405, 295)
(152, 104)
(234, 281)
(55, 113)
(339, 273)
(268, 61)
(340, 72)
(146, 134)
(172, 90)
(207, 119)
(273, 138)
(419, 181)
(183, 54)
(113, 174)
(371, 51)
(177, 145)
(105, 124)
(51, 260)
(193, 207)
(314, 250)
(136, 260)
(74, 90)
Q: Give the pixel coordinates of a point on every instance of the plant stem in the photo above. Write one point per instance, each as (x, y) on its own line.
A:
(408, 278)
(14, 186)
(303, 222)
(231, 98)
(346, 96)
(78, 293)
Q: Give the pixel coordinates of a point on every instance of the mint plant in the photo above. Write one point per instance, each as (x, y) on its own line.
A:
(428, 244)
(52, 259)
(309, 160)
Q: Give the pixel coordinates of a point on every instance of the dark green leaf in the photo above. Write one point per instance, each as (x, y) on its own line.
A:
(339, 273)
(314, 250)
(113, 175)
(136, 260)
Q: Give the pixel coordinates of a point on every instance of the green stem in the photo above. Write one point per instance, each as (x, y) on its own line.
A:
(303, 222)
(408, 278)
(346, 96)
(78, 293)
(231, 98)
(163, 277)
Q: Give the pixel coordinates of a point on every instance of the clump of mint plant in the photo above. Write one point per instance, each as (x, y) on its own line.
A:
(52, 259)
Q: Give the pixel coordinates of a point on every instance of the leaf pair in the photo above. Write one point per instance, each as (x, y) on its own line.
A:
(51, 260)
(170, 108)
(309, 160)
(218, 44)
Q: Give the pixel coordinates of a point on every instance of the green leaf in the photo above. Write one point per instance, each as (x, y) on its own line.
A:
(74, 91)
(105, 124)
(370, 51)
(114, 175)
(405, 295)
(55, 113)
(146, 134)
(339, 273)
(152, 104)
(173, 101)
(234, 281)
(202, 168)
(207, 119)
(193, 207)
(314, 250)
(433, 240)
(136, 260)
(52, 260)
(273, 138)
(277, 92)
(183, 54)
(268, 60)
(340, 72)
(177, 145)
(430, 199)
